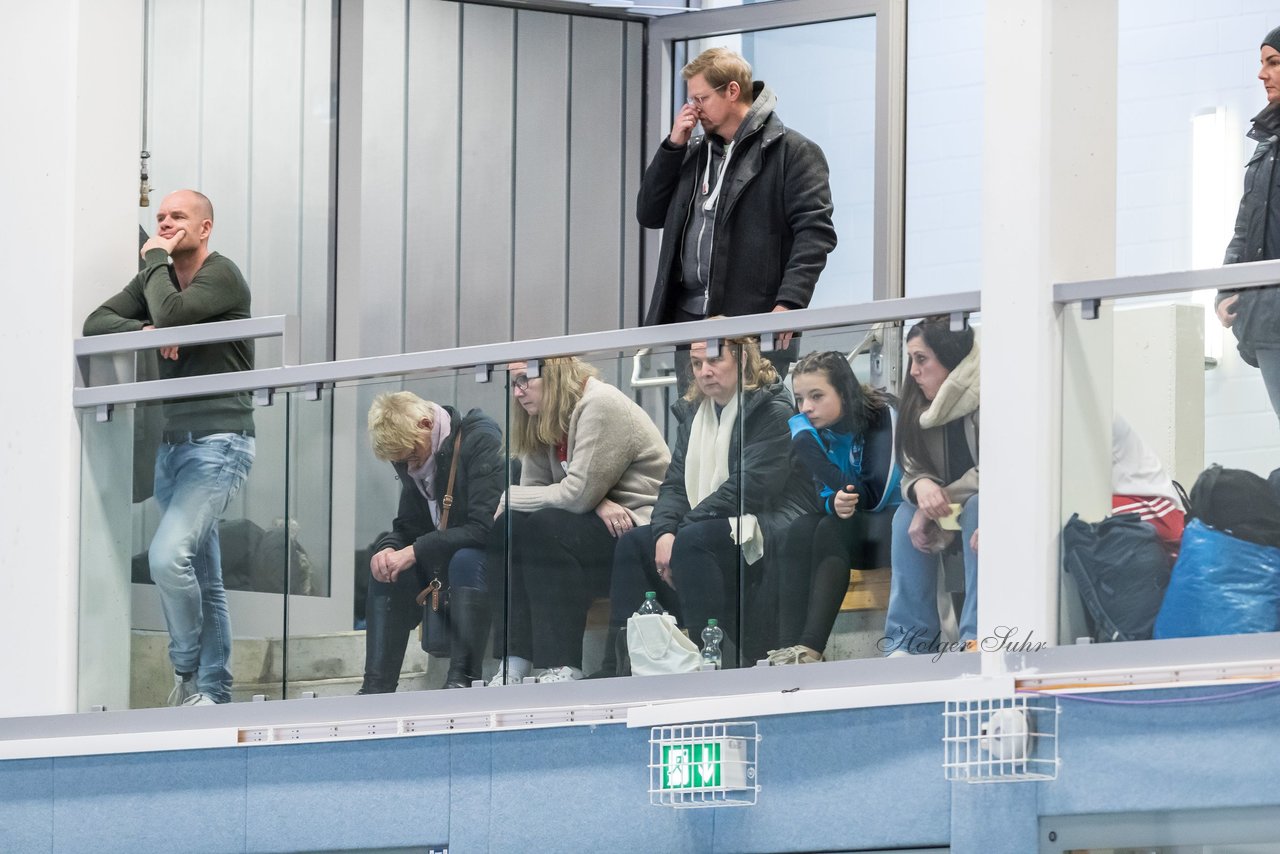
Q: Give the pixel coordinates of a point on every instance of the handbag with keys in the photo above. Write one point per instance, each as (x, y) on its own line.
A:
(434, 633)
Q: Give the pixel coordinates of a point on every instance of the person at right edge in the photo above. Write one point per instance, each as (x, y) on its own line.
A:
(1254, 314)
(745, 208)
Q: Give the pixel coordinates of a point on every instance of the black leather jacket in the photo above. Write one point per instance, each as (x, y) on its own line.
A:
(476, 490)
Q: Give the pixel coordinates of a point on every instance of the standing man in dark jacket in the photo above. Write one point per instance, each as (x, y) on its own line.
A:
(1254, 314)
(745, 208)
(208, 443)
(421, 439)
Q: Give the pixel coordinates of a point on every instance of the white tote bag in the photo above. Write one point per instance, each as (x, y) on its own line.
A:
(657, 646)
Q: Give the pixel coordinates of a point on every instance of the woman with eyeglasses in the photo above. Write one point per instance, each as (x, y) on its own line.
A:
(590, 464)
(730, 492)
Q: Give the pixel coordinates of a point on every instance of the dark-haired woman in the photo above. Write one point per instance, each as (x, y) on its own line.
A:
(843, 438)
(937, 447)
(1254, 314)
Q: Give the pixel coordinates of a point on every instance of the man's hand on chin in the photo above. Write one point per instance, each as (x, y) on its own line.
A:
(165, 243)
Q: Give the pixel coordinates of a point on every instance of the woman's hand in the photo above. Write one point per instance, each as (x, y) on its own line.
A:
(387, 564)
(502, 505)
(925, 534)
(1226, 310)
(973, 541)
(662, 557)
(845, 502)
(932, 499)
(615, 517)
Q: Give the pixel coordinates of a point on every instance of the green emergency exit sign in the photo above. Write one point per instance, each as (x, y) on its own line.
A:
(691, 766)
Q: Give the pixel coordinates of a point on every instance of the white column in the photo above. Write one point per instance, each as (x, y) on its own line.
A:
(1048, 216)
(68, 235)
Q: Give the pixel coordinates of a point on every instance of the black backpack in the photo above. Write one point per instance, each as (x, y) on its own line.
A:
(1122, 569)
(1237, 502)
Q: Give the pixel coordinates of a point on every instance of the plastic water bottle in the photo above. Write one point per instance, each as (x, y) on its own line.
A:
(712, 635)
(650, 605)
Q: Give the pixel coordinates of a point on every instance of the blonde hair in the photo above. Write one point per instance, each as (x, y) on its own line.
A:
(564, 378)
(394, 420)
(754, 370)
(720, 66)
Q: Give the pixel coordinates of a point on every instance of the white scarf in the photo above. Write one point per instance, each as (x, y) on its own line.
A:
(424, 476)
(706, 467)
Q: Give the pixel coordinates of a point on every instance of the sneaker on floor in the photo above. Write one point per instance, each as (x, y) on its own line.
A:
(184, 688)
(793, 655)
(500, 678)
(198, 699)
(561, 674)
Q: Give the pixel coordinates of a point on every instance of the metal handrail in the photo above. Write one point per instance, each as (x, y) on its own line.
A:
(1254, 274)
(481, 358)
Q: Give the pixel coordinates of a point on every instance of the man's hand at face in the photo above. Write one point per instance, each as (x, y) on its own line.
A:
(682, 127)
(165, 243)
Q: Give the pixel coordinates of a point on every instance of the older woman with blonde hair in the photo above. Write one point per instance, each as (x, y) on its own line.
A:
(731, 486)
(590, 464)
(430, 447)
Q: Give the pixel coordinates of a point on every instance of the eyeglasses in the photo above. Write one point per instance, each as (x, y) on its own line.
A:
(699, 100)
(521, 382)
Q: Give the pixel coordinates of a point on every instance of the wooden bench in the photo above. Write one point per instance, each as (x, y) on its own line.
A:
(868, 590)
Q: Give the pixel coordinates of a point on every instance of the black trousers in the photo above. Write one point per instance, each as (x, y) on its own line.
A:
(704, 568)
(556, 563)
(817, 553)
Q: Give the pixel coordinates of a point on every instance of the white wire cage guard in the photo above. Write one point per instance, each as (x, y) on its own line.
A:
(1001, 740)
(703, 765)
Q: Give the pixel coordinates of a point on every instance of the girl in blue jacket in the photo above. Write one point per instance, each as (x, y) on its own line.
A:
(843, 437)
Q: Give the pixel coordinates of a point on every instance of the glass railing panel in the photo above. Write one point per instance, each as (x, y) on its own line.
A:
(1156, 394)
(393, 447)
(177, 498)
(591, 448)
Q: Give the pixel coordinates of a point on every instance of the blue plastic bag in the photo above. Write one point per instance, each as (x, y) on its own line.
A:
(1221, 585)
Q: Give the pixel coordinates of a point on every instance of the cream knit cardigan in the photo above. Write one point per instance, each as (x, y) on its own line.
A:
(615, 451)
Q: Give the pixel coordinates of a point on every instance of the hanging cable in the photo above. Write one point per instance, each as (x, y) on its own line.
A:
(144, 182)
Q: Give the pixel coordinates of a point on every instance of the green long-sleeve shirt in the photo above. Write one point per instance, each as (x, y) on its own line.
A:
(153, 298)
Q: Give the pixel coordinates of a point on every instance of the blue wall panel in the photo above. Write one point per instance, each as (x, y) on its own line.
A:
(348, 795)
(181, 801)
(861, 779)
(26, 805)
(843, 780)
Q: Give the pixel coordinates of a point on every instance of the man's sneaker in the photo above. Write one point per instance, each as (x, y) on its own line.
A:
(184, 688)
(793, 655)
(561, 674)
(504, 678)
(198, 699)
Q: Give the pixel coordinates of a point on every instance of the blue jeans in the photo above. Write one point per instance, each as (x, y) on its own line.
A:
(195, 481)
(912, 622)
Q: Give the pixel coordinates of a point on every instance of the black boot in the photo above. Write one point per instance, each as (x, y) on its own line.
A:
(469, 622)
(387, 627)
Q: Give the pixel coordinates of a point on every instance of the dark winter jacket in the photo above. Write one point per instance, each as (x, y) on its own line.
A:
(773, 227)
(476, 489)
(761, 471)
(1257, 323)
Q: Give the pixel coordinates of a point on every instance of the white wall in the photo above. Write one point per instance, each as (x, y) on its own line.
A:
(68, 184)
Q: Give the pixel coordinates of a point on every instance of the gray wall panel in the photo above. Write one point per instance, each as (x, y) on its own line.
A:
(632, 169)
(382, 191)
(485, 214)
(431, 177)
(541, 204)
(595, 174)
(314, 304)
(226, 116)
